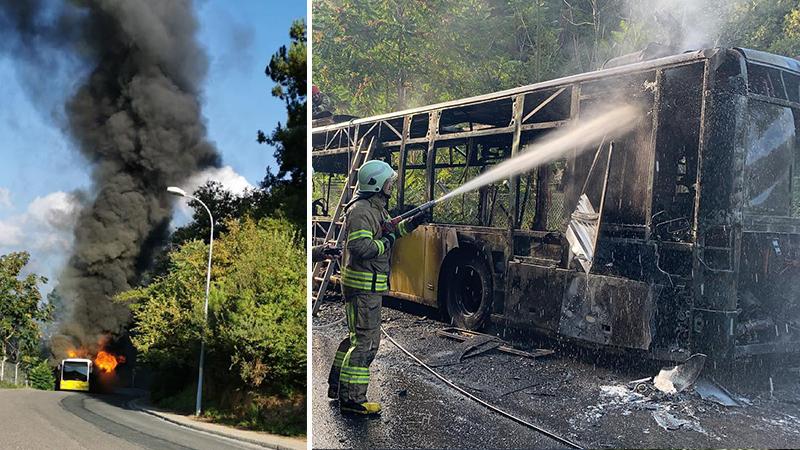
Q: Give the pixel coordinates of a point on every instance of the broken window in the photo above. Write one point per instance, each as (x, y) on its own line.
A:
(414, 186)
(327, 189)
(547, 105)
(526, 193)
(677, 142)
(627, 193)
(459, 161)
(555, 183)
(452, 169)
(476, 116)
(771, 150)
(327, 183)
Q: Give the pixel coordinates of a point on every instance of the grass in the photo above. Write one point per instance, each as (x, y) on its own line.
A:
(257, 412)
(9, 385)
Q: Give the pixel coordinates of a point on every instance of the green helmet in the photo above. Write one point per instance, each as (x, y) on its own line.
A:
(372, 176)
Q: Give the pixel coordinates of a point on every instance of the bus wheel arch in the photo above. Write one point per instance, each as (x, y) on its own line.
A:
(468, 287)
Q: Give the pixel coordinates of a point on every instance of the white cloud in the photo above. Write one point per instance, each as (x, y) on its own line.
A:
(10, 234)
(5, 199)
(226, 176)
(44, 230)
(57, 210)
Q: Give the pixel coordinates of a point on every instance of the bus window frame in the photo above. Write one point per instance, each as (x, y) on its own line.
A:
(82, 364)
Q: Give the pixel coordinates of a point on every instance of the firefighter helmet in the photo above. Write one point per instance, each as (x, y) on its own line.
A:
(373, 175)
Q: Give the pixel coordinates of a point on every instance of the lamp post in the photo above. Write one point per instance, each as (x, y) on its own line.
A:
(181, 193)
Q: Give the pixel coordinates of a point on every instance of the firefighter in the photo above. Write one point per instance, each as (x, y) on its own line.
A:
(365, 278)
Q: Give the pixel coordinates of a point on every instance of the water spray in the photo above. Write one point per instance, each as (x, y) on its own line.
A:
(609, 123)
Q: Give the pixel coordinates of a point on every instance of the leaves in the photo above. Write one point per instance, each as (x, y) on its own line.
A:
(286, 190)
(373, 57)
(21, 307)
(256, 327)
(40, 375)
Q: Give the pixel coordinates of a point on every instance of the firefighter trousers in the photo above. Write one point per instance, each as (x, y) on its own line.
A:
(350, 370)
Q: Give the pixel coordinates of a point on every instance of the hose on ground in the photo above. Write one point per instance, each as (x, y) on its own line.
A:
(519, 420)
(327, 325)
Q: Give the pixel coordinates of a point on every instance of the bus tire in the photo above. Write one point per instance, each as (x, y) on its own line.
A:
(468, 292)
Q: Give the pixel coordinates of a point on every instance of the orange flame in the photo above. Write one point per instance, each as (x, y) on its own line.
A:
(106, 361)
(72, 353)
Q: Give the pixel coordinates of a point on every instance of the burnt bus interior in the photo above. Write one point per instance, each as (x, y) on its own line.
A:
(696, 213)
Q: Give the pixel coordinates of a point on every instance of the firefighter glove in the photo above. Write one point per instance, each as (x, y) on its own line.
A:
(388, 240)
(408, 225)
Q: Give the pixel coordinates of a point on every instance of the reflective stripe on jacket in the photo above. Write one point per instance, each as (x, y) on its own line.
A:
(366, 259)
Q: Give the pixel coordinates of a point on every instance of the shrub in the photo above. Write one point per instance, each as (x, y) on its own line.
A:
(41, 377)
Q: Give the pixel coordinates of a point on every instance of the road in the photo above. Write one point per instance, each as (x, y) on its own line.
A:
(578, 394)
(31, 419)
(417, 411)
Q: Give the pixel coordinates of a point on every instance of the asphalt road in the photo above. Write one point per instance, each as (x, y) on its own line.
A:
(578, 394)
(31, 419)
(417, 411)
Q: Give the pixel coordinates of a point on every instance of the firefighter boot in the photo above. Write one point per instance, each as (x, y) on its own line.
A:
(364, 409)
(333, 392)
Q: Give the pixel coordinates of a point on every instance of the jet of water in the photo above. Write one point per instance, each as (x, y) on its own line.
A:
(609, 124)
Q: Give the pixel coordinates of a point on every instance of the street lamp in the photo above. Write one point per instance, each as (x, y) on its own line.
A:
(181, 193)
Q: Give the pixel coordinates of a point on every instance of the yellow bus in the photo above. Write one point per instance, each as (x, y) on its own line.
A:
(74, 373)
(682, 236)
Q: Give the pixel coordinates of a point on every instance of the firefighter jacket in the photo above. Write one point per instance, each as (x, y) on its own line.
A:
(367, 255)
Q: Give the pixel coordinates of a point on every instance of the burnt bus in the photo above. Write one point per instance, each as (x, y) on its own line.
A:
(682, 236)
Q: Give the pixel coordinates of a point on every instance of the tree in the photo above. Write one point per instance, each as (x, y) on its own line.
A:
(287, 68)
(769, 25)
(224, 205)
(40, 374)
(374, 57)
(21, 308)
(255, 337)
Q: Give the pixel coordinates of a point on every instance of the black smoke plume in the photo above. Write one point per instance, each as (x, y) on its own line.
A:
(135, 117)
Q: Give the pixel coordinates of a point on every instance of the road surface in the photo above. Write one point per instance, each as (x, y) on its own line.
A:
(580, 395)
(31, 419)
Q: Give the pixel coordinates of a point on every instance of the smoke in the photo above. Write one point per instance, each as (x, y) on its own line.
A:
(136, 119)
(682, 24)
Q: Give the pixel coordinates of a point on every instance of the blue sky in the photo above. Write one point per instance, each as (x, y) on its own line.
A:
(39, 166)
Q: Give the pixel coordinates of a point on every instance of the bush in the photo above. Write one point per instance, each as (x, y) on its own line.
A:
(256, 332)
(41, 377)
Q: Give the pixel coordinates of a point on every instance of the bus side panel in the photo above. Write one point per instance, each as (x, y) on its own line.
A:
(609, 311)
(534, 295)
(408, 271)
(416, 263)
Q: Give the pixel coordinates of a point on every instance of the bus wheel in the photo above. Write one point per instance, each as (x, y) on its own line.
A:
(469, 292)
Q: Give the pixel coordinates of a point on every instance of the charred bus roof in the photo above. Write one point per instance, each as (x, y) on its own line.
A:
(770, 59)
(752, 56)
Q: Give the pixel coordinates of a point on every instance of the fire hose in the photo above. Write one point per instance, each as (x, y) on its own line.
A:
(491, 407)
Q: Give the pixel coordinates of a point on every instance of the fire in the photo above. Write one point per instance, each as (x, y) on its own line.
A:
(72, 353)
(107, 362)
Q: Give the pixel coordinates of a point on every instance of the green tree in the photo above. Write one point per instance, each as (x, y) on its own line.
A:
(255, 338)
(374, 57)
(285, 190)
(40, 375)
(21, 308)
(224, 205)
(769, 25)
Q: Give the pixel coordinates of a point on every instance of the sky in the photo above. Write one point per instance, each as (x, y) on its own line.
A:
(40, 171)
